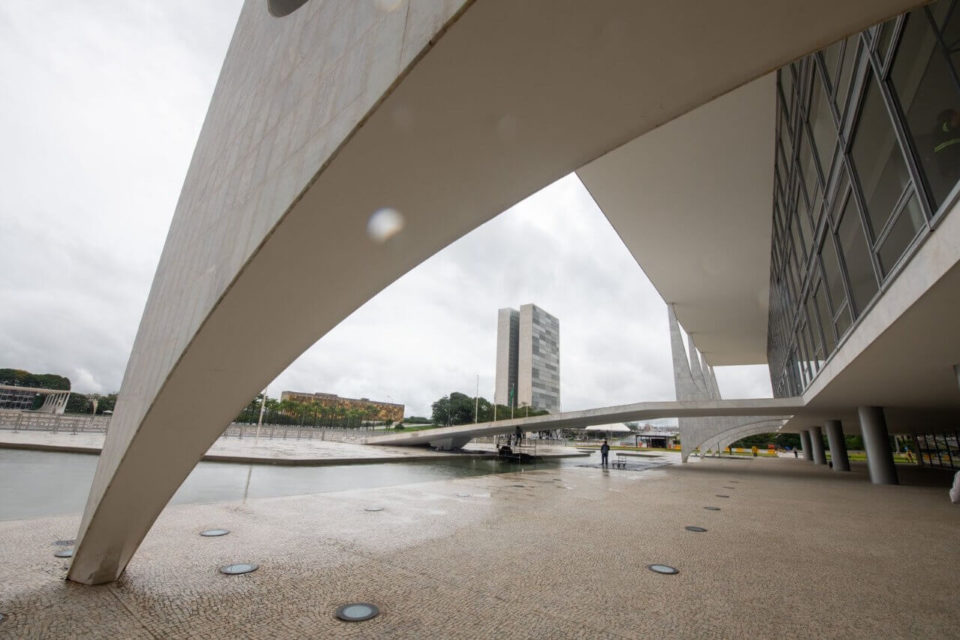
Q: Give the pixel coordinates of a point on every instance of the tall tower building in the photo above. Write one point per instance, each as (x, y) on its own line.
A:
(528, 358)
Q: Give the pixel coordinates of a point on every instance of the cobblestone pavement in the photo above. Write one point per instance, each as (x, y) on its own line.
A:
(795, 552)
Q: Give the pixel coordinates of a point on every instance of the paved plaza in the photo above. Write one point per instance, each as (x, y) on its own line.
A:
(286, 451)
(796, 551)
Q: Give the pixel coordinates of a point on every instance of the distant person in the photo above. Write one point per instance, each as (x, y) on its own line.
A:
(795, 453)
(518, 434)
(955, 491)
(604, 453)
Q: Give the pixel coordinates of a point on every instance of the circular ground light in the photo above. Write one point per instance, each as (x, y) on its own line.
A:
(214, 533)
(65, 543)
(729, 487)
(518, 485)
(722, 495)
(373, 508)
(66, 553)
(463, 495)
(695, 529)
(238, 569)
(357, 611)
(712, 508)
(664, 569)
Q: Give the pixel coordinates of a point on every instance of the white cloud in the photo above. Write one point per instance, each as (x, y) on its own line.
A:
(103, 102)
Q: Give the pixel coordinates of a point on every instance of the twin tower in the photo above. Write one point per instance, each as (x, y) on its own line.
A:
(528, 359)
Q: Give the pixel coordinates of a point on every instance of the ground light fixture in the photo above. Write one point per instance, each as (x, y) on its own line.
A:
(664, 569)
(65, 543)
(357, 611)
(373, 508)
(463, 495)
(712, 508)
(239, 569)
(66, 553)
(691, 527)
(722, 495)
(214, 533)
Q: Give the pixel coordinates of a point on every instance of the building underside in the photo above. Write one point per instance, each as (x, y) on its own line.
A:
(449, 113)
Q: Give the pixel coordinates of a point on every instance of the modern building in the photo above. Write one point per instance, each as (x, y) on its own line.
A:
(373, 409)
(803, 219)
(528, 358)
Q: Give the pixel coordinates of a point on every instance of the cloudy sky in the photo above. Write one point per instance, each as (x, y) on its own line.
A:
(102, 105)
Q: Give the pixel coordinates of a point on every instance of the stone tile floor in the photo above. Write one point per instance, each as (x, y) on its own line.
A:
(796, 551)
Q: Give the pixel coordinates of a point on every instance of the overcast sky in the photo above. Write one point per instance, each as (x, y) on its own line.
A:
(102, 105)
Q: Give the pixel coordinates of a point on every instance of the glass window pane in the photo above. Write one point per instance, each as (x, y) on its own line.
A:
(856, 257)
(846, 71)
(886, 34)
(903, 232)
(786, 85)
(831, 272)
(831, 57)
(877, 159)
(826, 322)
(786, 138)
(843, 321)
(806, 229)
(824, 129)
(929, 97)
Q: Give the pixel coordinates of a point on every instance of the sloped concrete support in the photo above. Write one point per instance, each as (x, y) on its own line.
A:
(876, 440)
(816, 445)
(806, 446)
(838, 446)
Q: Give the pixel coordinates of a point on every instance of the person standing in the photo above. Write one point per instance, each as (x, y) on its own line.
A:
(604, 453)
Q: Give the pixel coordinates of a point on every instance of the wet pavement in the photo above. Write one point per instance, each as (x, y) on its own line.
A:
(796, 551)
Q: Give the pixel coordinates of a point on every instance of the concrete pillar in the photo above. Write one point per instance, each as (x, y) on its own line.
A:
(876, 440)
(816, 440)
(805, 445)
(838, 446)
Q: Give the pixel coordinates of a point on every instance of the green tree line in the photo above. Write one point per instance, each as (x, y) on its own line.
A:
(459, 408)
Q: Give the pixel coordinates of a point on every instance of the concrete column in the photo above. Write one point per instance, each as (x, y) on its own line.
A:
(876, 440)
(838, 446)
(816, 440)
(805, 445)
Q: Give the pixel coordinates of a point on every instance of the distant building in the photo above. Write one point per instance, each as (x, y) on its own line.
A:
(384, 410)
(528, 358)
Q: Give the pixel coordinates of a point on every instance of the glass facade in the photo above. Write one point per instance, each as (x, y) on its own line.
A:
(867, 156)
(940, 449)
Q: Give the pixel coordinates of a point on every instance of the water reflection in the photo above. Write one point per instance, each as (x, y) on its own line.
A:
(40, 483)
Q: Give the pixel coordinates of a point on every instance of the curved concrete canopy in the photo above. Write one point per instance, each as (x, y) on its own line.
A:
(692, 202)
(449, 112)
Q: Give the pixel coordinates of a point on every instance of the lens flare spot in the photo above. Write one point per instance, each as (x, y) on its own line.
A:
(384, 224)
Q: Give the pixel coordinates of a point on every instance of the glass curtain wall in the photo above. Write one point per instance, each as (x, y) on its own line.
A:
(867, 158)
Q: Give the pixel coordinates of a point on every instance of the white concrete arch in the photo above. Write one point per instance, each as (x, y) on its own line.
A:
(448, 112)
(767, 426)
(727, 433)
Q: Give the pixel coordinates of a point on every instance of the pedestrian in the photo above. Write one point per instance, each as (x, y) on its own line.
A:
(795, 453)
(604, 453)
(519, 435)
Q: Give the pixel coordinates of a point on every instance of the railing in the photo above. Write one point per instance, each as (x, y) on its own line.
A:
(287, 432)
(62, 423)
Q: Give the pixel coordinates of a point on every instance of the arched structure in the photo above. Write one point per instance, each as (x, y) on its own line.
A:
(445, 112)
